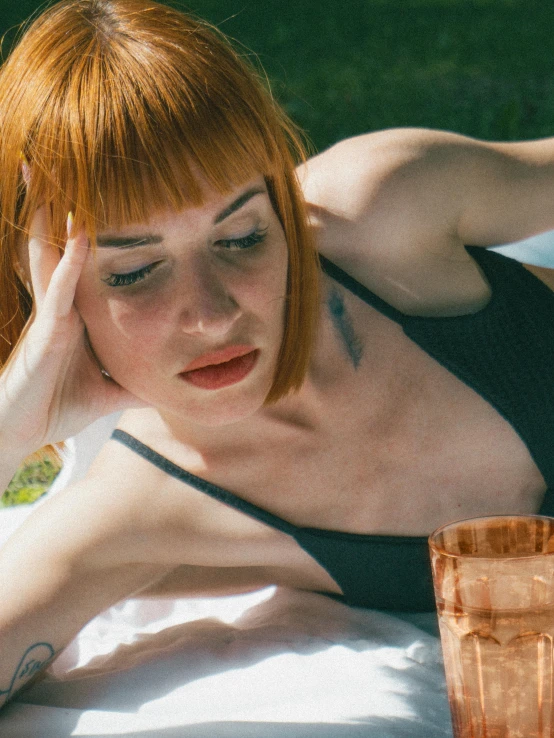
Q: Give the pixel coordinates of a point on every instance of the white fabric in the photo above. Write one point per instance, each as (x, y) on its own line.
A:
(272, 663)
(537, 250)
(268, 664)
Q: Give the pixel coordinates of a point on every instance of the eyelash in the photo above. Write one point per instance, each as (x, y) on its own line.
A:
(232, 244)
(124, 280)
(247, 242)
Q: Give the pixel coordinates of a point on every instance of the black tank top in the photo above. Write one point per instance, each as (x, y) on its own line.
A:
(505, 352)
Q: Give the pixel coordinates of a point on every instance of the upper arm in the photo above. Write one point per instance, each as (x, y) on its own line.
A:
(147, 515)
(54, 551)
(508, 191)
(411, 191)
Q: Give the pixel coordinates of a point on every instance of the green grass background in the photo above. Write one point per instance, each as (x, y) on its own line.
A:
(480, 67)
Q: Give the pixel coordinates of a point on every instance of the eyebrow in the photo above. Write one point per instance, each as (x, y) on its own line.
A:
(129, 242)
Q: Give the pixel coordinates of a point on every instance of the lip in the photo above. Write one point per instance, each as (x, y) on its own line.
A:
(218, 357)
(221, 368)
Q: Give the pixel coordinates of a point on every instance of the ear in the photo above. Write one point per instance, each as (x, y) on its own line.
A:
(23, 277)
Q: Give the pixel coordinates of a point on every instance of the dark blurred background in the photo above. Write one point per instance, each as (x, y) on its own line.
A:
(479, 67)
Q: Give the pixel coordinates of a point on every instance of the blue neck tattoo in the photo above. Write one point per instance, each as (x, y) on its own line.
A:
(343, 326)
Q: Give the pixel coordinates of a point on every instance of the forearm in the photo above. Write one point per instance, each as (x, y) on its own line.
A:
(33, 630)
(24, 657)
(45, 603)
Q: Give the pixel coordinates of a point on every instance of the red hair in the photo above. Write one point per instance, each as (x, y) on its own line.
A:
(103, 97)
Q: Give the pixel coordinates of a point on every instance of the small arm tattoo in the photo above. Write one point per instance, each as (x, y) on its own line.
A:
(35, 658)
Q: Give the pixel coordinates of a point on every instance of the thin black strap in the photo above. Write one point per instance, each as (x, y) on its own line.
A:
(365, 294)
(494, 266)
(218, 493)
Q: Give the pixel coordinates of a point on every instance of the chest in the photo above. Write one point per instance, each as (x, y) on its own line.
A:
(400, 451)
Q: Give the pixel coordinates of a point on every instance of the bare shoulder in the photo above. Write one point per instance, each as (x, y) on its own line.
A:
(125, 512)
(143, 513)
(395, 209)
(355, 172)
(86, 516)
(411, 187)
(369, 160)
(389, 195)
(384, 209)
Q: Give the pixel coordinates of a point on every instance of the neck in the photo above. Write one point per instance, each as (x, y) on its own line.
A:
(353, 354)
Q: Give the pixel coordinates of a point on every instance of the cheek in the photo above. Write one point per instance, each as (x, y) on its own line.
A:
(267, 286)
(137, 329)
(122, 331)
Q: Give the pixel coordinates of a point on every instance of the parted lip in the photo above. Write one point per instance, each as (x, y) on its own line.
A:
(218, 357)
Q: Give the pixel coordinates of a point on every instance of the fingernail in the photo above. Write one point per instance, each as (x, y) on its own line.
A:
(69, 224)
(25, 168)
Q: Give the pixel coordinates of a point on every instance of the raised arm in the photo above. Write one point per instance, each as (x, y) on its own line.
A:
(52, 386)
(406, 189)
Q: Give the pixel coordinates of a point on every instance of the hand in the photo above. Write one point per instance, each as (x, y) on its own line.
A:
(52, 386)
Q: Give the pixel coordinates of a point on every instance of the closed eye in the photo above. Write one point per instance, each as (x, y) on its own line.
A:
(229, 244)
(125, 280)
(247, 242)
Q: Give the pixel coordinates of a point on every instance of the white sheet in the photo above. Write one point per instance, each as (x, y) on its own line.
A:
(277, 663)
(538, 250)
(269, 664)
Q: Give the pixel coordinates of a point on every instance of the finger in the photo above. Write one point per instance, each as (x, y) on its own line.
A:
(25, 169)
(43, 258)
(63, 283)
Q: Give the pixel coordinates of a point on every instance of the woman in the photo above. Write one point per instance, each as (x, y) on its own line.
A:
(285, 422)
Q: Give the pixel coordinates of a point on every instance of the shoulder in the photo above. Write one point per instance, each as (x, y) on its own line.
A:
(355, 171)
(112, 516)
(141, 512)
(412, 190)
(384, 208)
(392, 194)
(358, 171)
(97, 512)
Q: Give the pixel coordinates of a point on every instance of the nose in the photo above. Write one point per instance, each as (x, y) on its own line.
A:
(209, 309)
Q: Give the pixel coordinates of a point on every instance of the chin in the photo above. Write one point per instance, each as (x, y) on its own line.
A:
(225, 417)
(216, 409)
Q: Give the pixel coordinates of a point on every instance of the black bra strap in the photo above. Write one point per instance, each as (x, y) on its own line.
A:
(365, 294)
(212, 490)
(492, 264)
